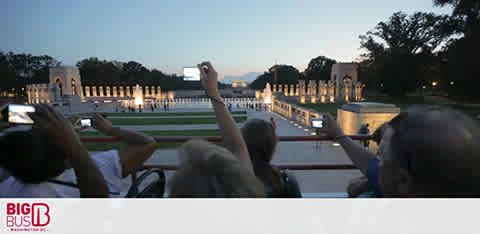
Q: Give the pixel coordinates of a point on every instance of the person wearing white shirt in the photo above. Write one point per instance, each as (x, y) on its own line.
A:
(44, 172)
(30, 157)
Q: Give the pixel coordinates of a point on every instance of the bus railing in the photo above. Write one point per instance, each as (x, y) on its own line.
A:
(160, 139)
(169, 167)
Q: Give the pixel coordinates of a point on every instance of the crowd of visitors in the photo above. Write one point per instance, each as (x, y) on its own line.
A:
(422, 153)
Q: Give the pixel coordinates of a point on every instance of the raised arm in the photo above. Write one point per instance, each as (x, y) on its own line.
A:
(232, 137)
(358, 154)
(89, 178)
(139, 146)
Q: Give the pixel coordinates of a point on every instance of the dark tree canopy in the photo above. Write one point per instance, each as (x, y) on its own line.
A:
(17, 70)
(398, 50)
(319, 68)
(286, 74)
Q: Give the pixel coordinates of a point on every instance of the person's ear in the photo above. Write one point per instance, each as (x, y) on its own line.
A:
(404, 181)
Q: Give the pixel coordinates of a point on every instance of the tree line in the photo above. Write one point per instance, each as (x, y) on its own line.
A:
(18, 70)
(408, 53)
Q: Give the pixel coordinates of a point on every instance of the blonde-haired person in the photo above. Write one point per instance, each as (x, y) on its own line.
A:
(208, 170)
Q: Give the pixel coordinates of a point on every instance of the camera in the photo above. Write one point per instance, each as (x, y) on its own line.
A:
(318, 123)
(86, 122)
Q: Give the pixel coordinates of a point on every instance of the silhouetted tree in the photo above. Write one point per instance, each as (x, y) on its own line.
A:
(398, 49)
(319, 68)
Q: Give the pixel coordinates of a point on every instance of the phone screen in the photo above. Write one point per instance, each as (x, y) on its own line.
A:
(86, 122)
(18, 114)
(317, 123)
(191, 74)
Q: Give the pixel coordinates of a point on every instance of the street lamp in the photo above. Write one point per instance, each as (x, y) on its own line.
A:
(434, 83)
(452, 83)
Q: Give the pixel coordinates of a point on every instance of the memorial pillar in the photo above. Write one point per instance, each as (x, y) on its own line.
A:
(94, 91)
(108, 91)
(159, 92)
(115, 91)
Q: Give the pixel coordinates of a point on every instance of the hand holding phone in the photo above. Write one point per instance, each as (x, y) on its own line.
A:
(209, 78)
(17, 114)
(84, 123)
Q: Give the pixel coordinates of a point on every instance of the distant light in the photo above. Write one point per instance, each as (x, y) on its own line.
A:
(314, 133)
(335, 144)
(424, 87)
(295, 124)
(306, 130)
(452, 83)
(434, 83)
(300, 127)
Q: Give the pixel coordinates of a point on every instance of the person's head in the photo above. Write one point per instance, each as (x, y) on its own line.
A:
(30, 156)
(261, 140)
(367, 125)
(208, 170)
(430, 152)
(271, 118)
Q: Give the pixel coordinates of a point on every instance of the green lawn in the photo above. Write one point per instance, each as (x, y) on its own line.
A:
(93, 146)
(324, 107)
(207, 132)
(164, 114)
(169, 121)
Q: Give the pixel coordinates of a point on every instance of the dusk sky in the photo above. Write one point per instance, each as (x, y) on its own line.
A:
(238, 36)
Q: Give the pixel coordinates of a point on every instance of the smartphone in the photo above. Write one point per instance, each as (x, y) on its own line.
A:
(17, 114)
(86, 122)
(191, 74)
(318, 123)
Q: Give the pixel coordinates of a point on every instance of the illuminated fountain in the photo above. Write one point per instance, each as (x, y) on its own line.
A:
(267, 94)
(138, 96)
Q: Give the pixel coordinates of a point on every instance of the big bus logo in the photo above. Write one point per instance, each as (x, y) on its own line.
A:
(27, 216)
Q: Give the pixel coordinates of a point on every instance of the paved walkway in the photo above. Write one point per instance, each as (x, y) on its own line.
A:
(286, 153)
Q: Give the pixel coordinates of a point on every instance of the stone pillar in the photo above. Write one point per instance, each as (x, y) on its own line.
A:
(48, 93)
(127, 92)
(357, 91)
(108, 91)
(122, 92)
(348, 90)
(292, 91)
(314, 88)
(297, 90)
(87, 91)
(159, 92)
(322, 92)
(147, 91)
(301, 84)
(100, 90)
(94, 91)
(309, 88)
(153, 91)
(285, 89)
(331, 91)
(115, 91)
(274, 88)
